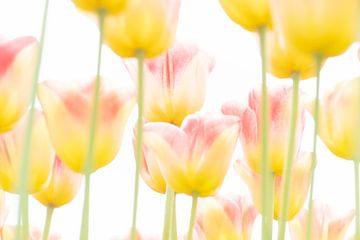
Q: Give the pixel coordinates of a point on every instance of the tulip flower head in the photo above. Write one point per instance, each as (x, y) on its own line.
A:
(299, 185)
(62, 187)
(17, 58)
(68, 109)
(250, 14)
(41, 156)
(148, 26)
(110, 6)
(279, 126)
(175, 83)
(337, 119)
(225, 218)
(194, 158)
(326, 223)
(325, 27)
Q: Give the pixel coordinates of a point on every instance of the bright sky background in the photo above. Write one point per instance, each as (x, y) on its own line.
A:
(70, 53)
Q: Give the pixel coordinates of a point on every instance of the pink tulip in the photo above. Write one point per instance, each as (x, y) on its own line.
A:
(225, 218)
(279, 126)
(175, 83)
(17, 65)
(326, 223)
(194, 158)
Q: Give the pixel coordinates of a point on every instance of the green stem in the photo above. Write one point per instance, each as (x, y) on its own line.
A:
(49, 213)
(192, 216)
(168, 212)
(84, 234)
(264, 122)
(24, 166)
(173, 221)
(289, 159)
(318, 59)
(140, 55)
(270, 204)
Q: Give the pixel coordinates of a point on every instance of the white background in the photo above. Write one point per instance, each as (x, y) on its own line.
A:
(70, 53)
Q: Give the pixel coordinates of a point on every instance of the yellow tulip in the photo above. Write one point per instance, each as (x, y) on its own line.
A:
(17, 65)
(68, 109)
(110, 6)
(148, 26)
(250, 14)
(286, 60)
(299, 185)
(225, 218)
(62, 187)
(326, 223)
(325, 27)
(279, 126)
(175, 83)
(338, 118)
(41, 156)
(194, 158)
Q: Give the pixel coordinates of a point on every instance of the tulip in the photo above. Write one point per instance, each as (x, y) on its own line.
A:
(147, 26)
(68, 109)
(337, 120)
(250, 14)
(224, 218)
(194, 158)
(17, 58)
(41, 156)
(325, 27)
(176, 83)
(110, 6)
(62, 187)
(279, 127)
(326, 224)
(299, 185)
(285, 60)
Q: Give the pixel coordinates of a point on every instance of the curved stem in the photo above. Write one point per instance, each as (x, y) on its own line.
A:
(84, 234)
(192, 216)
(264, 122)
(318, 59)
(140, 55)
(173, 221)
(168, 212)
(289, 159)
(49, 213)
(24, 166)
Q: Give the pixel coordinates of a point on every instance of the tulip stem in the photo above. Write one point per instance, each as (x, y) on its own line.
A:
(318, 59)
(289, 159)
(173, 221)
(264, 122)
(84, 233)
(24, 165)
(168, 212)
(49, 213)
(192, 216)
(140, 55)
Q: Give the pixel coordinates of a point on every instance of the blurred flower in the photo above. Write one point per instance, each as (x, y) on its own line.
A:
(285, 60)
(175, 83)
(9, 233)
(338, 118)
(279, 126)
(17, 65)
(194, 158)
(110, 6)
(41, 156)
(250, 14)
(326, 224)
(68, 110)
(62, 187)
(225, 218)
(299, 185)
(324, 27)
(148, 25)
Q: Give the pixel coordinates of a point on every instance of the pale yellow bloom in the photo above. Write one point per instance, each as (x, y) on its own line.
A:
(110, 6)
